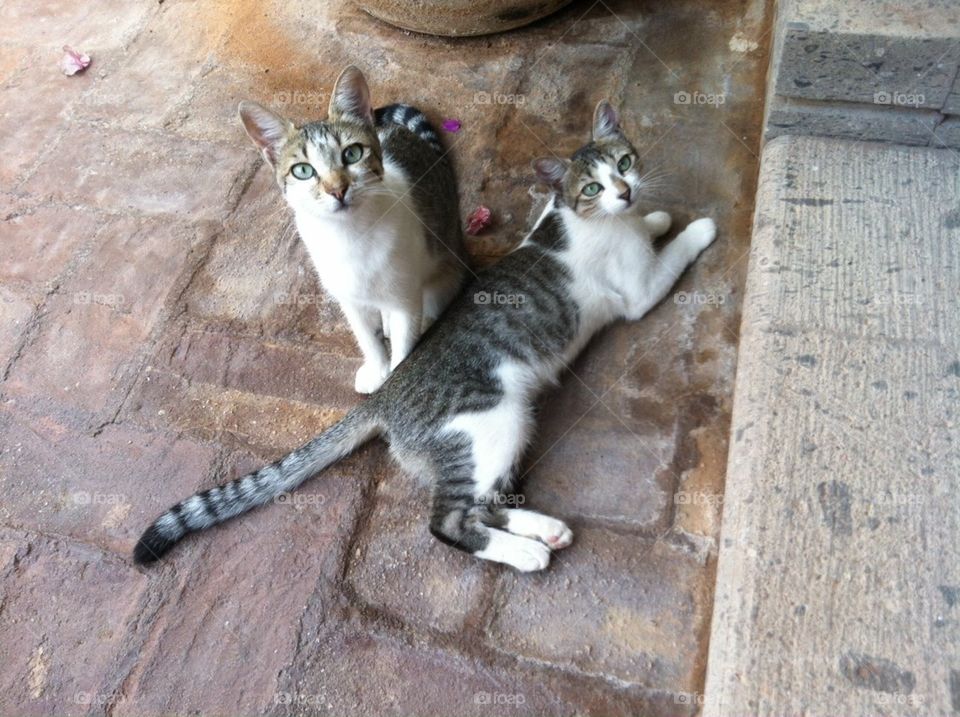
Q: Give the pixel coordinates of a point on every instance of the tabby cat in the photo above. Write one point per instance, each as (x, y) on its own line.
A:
(375, 201)
(459, 411)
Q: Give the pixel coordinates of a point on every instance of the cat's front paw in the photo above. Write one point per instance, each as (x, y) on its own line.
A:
(700, 234)
(370, 377)
(658, 223)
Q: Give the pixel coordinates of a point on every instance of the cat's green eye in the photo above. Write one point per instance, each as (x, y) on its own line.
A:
(592, 189)
(302, 170)
(352, 154)
(625, 163)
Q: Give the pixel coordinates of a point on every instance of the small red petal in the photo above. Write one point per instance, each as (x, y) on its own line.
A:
(479, 220)
(451, 125)
(73, 62)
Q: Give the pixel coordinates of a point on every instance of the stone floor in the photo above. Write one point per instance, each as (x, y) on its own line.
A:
(162, 331)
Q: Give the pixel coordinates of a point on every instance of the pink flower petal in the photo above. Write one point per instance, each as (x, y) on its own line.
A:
(479, 220)
(451, 125)
(73, 62)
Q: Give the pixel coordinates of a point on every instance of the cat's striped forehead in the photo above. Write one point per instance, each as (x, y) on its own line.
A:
(340, 134)
(325, 141)
(586, 159)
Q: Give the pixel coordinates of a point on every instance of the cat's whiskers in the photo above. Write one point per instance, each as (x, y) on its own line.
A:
(654, 178)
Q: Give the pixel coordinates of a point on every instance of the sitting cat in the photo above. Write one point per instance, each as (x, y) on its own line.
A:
(375, 201)
(458, 411)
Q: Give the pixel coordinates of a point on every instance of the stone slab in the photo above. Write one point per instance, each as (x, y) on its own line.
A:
(72, 619)
(234, 617)
(196, 180)
(227, 376)
(617, 606)
(874, 52)
(61, 368)
(442, 588)
(101, 489)
(15, 314)
(356, 670)
(848, 120)
(838, 568)
(947, 133)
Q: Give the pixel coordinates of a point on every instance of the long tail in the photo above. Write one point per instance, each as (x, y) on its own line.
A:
(216, 505)
(411, 118)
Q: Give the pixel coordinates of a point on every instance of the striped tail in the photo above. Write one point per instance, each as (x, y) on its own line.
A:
(216, 505)
(411, 118)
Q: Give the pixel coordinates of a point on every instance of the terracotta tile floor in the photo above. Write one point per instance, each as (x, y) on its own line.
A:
(162, 331)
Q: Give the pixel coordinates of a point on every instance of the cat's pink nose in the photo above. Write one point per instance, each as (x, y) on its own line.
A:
(625, 194)
(339, 193)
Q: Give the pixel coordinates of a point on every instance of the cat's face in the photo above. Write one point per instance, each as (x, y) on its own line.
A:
(324, 168)
(603, 178)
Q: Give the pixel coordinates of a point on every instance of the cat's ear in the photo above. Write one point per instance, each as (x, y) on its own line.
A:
(351, 96)
(268, 130)
(606, 121)
(550, 171)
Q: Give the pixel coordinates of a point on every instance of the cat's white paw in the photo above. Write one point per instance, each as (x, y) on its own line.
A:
(658, 223)
(550, 531)
(529, 556)
(700, 234)
(524, 554)
(560, 537)
(370, 377)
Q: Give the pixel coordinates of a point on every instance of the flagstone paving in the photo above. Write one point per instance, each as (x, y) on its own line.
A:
(163, 331)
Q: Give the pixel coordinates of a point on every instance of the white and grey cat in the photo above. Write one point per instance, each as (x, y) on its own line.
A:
(459, 411)
(375, 201)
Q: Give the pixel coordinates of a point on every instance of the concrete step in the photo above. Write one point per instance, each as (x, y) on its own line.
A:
(838, 584)
(870, 70)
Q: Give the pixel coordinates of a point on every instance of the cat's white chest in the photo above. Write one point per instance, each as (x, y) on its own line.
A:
(346, 255)
(610, 270)
(372, 251)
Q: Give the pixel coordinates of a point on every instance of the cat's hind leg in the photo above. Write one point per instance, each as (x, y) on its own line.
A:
(457, 522)
(531, 524)
(473, 459)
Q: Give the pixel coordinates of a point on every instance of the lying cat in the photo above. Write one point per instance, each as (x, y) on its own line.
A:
(375, 201)
(458, 411)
